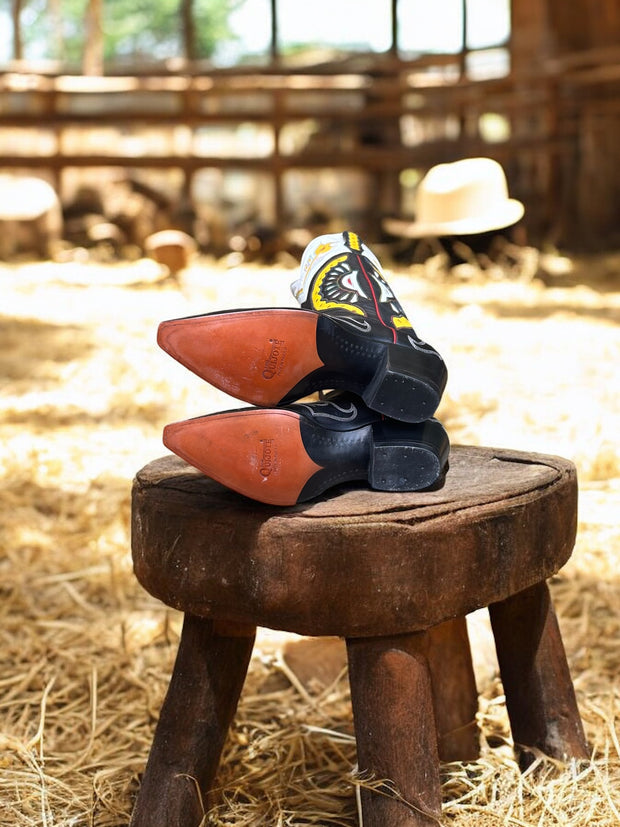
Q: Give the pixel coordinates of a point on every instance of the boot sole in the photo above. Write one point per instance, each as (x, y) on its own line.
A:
(256, 356)
(279, 457)
(275, 356)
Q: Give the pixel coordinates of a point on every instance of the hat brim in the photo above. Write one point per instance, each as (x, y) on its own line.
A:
(511, 212)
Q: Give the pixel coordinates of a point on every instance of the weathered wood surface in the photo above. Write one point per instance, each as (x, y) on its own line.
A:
(202, 697)
(503, 521)
(394, 574)
(539, 691)
(455, 695)
(319, 661)
(395, 730)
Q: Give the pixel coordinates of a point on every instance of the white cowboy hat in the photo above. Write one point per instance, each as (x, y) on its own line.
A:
(460, 198)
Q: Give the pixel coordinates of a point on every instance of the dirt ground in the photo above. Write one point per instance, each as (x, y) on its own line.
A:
(85, 653)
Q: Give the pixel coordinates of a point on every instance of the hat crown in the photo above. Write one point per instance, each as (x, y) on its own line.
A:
(470, 189)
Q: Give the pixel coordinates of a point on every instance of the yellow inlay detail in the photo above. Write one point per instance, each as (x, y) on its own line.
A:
(401, 321)
(317, 300)
(322, 248)
(353, 241)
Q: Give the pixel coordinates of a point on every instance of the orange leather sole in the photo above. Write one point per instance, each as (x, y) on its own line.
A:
(256, 453)
(256, 355)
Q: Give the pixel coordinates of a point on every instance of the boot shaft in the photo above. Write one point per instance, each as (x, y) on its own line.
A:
(341, 276)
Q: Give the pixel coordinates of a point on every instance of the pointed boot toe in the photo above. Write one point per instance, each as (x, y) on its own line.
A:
(257, 356)
(282, 456)
(258, 453)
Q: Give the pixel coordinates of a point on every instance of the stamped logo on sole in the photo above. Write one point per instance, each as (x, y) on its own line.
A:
(275, 360)
(268, 457)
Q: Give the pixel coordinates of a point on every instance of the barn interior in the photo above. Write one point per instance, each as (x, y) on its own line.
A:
(246, 152)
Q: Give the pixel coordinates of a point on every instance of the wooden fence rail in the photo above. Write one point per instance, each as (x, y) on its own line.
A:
(544, 128)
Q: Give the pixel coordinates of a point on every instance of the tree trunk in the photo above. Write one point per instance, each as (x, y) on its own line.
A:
(92, 60)
(18, 52)
(189, 30)
(57, 41)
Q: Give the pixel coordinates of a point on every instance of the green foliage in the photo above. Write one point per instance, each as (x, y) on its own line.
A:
(145, 29)
(72, 25)
(140, 30)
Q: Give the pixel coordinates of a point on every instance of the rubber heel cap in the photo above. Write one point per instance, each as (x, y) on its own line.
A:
(395, 467)
(401, 387)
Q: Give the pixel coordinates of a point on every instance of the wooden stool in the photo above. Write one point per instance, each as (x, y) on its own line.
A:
(395, 575)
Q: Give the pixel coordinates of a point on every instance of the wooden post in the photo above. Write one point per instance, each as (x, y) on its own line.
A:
(16, 10)
(188, 27)
(394, 21)
(92, 60)
(274, 51)
(463, 52)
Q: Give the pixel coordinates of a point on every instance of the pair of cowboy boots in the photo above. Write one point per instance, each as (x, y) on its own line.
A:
(350, 336)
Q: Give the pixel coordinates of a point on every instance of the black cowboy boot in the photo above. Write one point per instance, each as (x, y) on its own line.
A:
(286, 455)
(351, 334)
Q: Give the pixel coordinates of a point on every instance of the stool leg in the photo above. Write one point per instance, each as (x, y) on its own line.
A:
(455, 696)
(540, 697)
(202, 697)
(395, 729)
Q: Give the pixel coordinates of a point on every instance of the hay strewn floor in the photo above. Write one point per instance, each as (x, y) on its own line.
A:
(85, 654)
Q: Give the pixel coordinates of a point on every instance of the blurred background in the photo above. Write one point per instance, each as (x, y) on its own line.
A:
(174, 157)
(262, 116)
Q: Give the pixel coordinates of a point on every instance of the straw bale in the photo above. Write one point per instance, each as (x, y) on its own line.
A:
(85, 654)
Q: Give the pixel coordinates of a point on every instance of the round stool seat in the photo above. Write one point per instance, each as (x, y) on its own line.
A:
(357, 562)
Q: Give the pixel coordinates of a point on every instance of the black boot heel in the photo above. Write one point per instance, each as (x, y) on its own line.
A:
(407, 459)
(407, 384)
